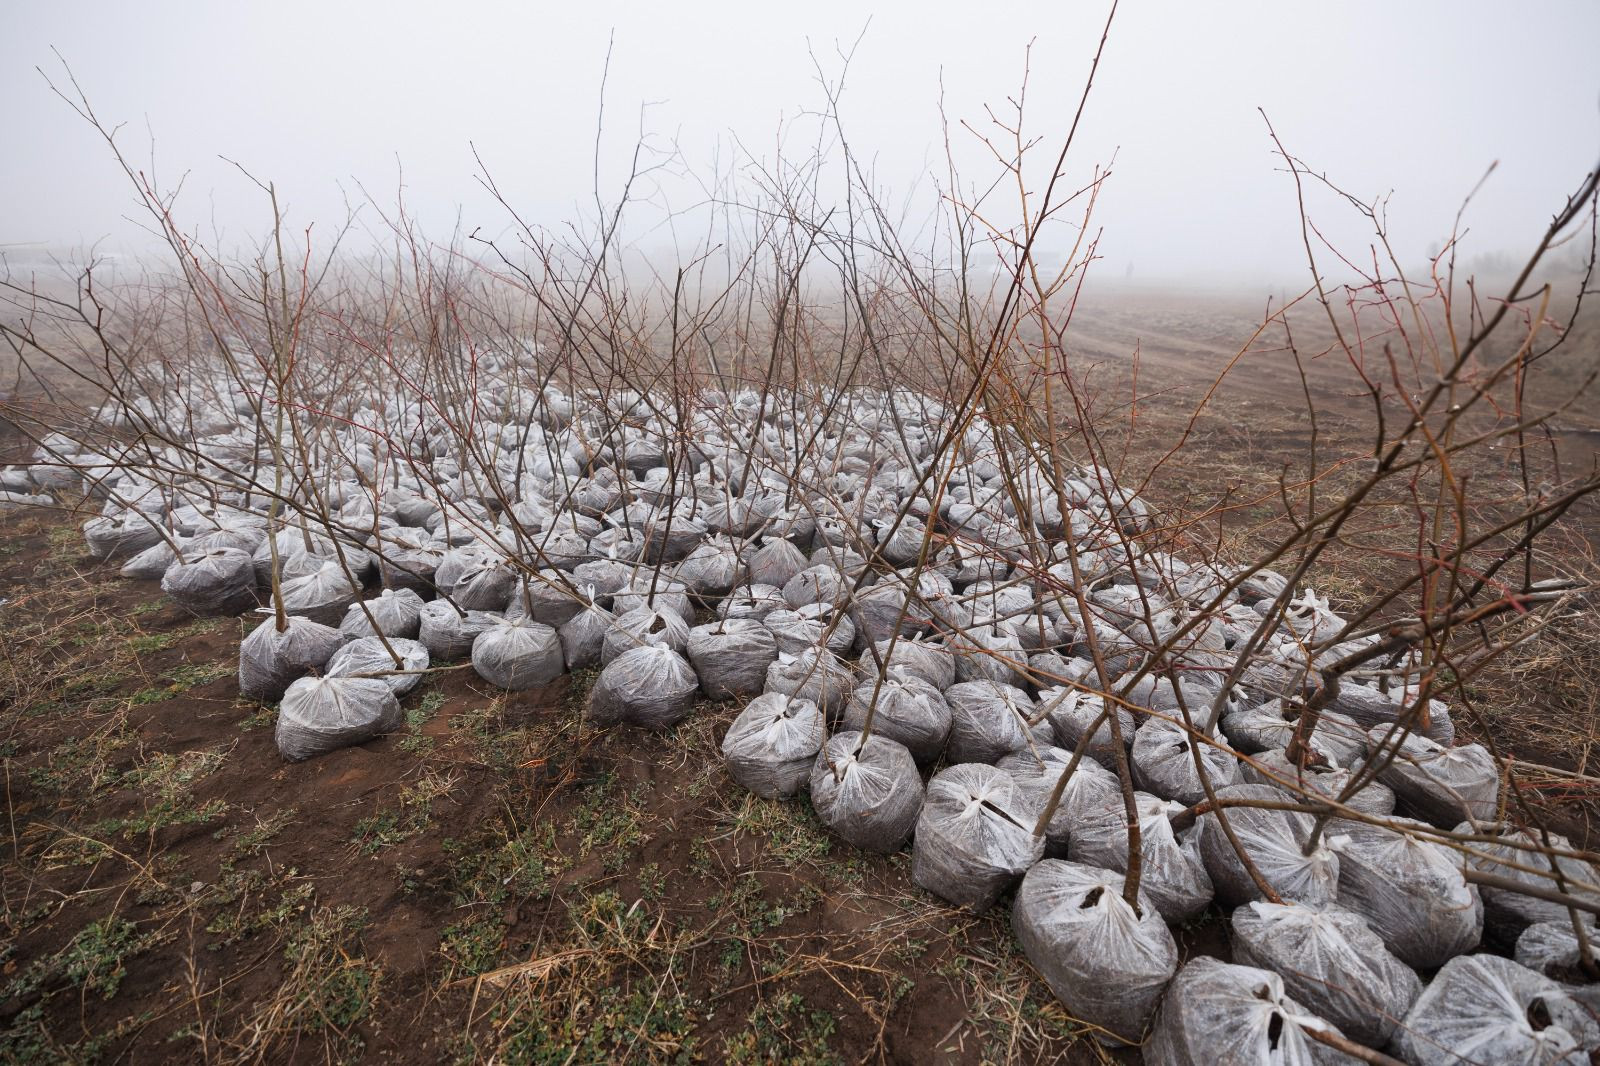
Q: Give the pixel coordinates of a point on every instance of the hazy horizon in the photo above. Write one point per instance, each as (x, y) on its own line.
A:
(335, 105)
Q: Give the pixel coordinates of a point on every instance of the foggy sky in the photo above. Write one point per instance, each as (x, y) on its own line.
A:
(327, 98)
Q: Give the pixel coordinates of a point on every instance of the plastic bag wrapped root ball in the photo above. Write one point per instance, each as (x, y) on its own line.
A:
(823, 583)
(152, 563)
(270, 659)
(1330, 960)
(771, 745)
(731, 657)
(396, 612)
(449, 633)
(1275, 842)
(754, 602)
(367, 657)
(868, 793)
(650, 686)
(816, 675)
(1274, 768)
(974, 838)
(810, 626)
(1484, 1008)
(776, 563)
(987, 652)
(1173, 874)
(323, 714)
(108, 537)
(908, 710)
(1552, 949)
(583, 636)
(1107, 963)
(1513, 854)
(989, 720)
(518, 655)
(322, 595)
(1217, 1012)
(1437, 784)
(712, 569)
(1412, 893)
(1036, 772)
(644, 625)
(548, 598)
(1267, 726)
(1164, 763)
(220, 581)
(1071, 712)
(485, 584)
(930, 661)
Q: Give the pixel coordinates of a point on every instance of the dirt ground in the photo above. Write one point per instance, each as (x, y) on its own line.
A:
(493, 884)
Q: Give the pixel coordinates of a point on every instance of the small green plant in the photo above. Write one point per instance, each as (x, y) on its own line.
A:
(782, 1028)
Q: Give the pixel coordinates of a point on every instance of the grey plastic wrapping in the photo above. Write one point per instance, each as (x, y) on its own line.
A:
(367, 657)
(322, 595)
(712, 569)
(1274, 768)
(816, 675)
(270, 660)
(777, 562)
(1049, 669)
(908, 710)
(1507, 912)
(1071, 711)
(583, 636)
(397, 612)
(1264, 726)
(731, 657)
(1275, 842)
(1036, 772)
(1106, 964)
(989, 720)
(752, 601)
(546, 598)
(151, 564)
(605, 577)
(518, 655)
(985, 652)
(670, 596)
(974, 838)
(811, 625)
(1217, 1012)
(485, 584)
(927, 659)
(1412, 892)
(219, 581)
(1174, 875)
(653, 687)
(1164, 763)
(1437, 784)
(1551, 949)
(1330, 960)
(449, 634)
(1483, 1008)
(1368, 707)
(823, 583)
(323, 714)
(640, 626)
(869, 798)
(108, 537)
(771, 745)
(875, 609)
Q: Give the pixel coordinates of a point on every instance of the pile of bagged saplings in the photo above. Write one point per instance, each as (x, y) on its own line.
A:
(914, 644)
